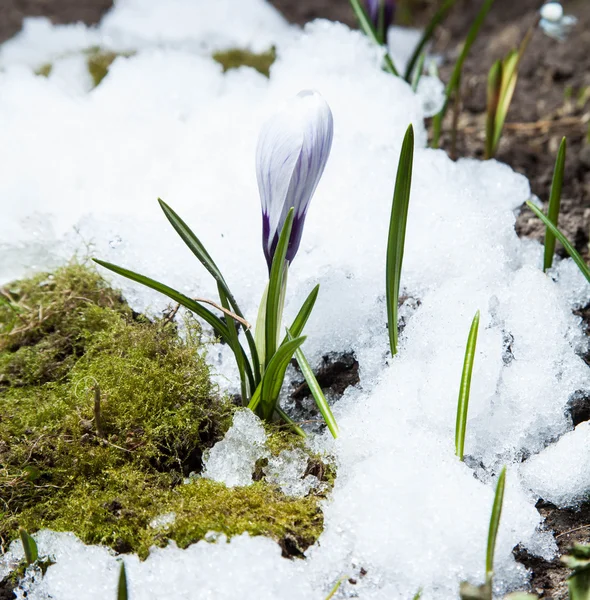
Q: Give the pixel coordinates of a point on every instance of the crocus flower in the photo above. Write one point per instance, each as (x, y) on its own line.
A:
(292, 152)
(373, 8)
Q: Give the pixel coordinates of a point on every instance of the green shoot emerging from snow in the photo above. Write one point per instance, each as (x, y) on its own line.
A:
(464, 391)
(455, 80)
(564, 241)
(554, 204)
(397, 234)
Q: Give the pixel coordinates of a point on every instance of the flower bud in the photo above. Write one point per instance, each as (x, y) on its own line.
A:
(381, 24)
(293, 148)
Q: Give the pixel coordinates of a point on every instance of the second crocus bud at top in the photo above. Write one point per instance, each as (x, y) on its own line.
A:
(381, 13)
(292, 152)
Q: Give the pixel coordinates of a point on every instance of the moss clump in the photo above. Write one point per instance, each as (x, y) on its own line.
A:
(235, 58)
(100, 60)
(67, 341)
(44, 70)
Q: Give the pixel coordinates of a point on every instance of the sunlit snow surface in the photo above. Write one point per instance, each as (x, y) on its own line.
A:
(81, 171)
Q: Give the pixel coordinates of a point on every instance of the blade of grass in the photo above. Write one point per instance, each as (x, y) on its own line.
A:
(494, 87)
(439, 16)
(554, 204)
(316, 390)
(122, 587)
(564, 241)
(197, 248)
(464, 391)
(495, 524)
(418, 73)
(457, 70)
(276, 283)
(369, 31)
(397, 234)
(29, 547)
(303, 315)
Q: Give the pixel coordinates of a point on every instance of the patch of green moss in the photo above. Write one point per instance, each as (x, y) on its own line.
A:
(235, 58)
(100, 60)
(44, 70)
(70, 344)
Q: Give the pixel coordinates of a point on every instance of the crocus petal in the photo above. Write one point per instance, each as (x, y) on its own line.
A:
(292, 152)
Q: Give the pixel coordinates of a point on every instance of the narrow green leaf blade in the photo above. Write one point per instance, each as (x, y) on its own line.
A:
(122, 587)
(197, 248)
(304, 313)
(554, 204)
(275, 289)
(494, 88)
(495, 524)
(439, 16)
(29, 546)
(397, 234)
(371, 33)
(458, 69)
(316, 390)
(217, 324)
(564, 241)
(273, 377)
(465, 389)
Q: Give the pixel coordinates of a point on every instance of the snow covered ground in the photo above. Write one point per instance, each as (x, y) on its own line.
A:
(81, 172)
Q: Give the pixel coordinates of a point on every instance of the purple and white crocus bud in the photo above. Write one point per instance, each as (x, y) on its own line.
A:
(292, 152)
(373, 9)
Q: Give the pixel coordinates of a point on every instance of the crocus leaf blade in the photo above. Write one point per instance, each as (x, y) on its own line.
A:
(370, 31)
(494, 89)
(290, 422)
(122, 593)
(465, 389)
(304, 313)
(495, 523)
(217, 324)
(197, 248)
(439, 16)
(458, 69)
(29, 546)
(316, 390)
(397, 234)
(563, 240)
(554, 204)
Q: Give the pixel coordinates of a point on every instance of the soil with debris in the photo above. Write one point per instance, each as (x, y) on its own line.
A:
(552, 100)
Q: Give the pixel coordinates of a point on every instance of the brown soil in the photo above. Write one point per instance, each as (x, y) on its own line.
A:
(549, 103)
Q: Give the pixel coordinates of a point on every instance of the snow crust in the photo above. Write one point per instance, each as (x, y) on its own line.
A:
(81, 173)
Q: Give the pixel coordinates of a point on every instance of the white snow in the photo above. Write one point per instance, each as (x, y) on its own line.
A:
(81, 172)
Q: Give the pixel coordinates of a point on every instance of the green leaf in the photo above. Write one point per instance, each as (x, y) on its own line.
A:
(197, 248)
(276, 286)
(397, 234)
(371, 33)
(495, 524)
(578, 559)
(418, 73)
(122, 587)
(265, 397)
(304, 313)
(564, 241)
(218, 325)
(494, 90)
(316, 390)
(465, 389)
(29, 546)
(439, 16)
(554, 204)
(457, 70)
